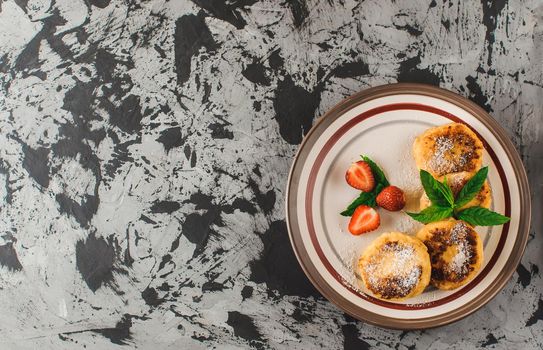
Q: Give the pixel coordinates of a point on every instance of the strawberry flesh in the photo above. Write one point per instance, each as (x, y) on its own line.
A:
(364, 219)
(359, 176)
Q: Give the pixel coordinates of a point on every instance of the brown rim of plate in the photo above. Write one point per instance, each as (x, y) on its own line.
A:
(310, 269)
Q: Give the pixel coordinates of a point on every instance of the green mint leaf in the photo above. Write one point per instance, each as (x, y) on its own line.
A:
(478, 216)
(445, 189)
(471, 188)
(365, 198)
(432, 213)
(434, 189)
(378, 174)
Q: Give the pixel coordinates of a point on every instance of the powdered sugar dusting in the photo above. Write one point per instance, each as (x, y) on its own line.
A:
(349, 258)
(445, 159)
(404, 223)
(394, 271)
(440, 160)
(407, 178)
(460, 262)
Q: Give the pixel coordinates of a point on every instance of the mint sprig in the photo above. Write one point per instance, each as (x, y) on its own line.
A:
(432, 213)
(368, 198)
(478, 216)
(444, 204)
(378, 173)
(439, 193)
(471, 188)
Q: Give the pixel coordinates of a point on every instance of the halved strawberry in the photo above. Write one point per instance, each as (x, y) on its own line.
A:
(391, 198)
(364, 219)
(359, 176)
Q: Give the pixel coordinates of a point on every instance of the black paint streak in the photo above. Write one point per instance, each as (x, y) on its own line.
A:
(266, 201)
(100, 3)
(537, 315)
(127, 116)
(150, 296)
(244, 327)
(165, 260)
(193, 159)
(476, 93)
(79, 100)
(118, 334)
(275, 60)
(28, 61)
(229, 11)
(74, 143)
(300, 316)
(105, 63)
(491, 11)
(278, 267)
(23, 4)
(171, 138)
(36, 162)
(243, 205)
(219, 131)
(212, 286)
(4, 169)
(299, 11)
(352, 69)
(94, 260)
(410, 73)
(410, 29)
(121, 154)
(247, 292)
(256, 73)
(9, 258)
(490, 340)
(81, 212)
(197, 228)
(352, 340)
(191, 34)
(167, 207)
(295, 108)
(147, 220)
(524, 276)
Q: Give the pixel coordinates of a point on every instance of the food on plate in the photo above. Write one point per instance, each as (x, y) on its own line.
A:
(446, 204)
(395, 266)
(449, 148)
(447, 252)
(391, 198)
(456, 252)
(359, 176)
(368, 198)
(368, 177)
(456, 182)
(364, 219)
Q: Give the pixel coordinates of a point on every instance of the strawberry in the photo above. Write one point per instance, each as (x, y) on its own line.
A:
(359, 176)
(391, 198)
(364, 219)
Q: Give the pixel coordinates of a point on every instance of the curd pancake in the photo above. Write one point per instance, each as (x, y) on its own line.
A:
(456, 252)
(456, 181)
(449, 148)
(395, 266)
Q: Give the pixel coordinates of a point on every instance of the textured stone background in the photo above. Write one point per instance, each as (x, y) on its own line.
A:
(144, 152)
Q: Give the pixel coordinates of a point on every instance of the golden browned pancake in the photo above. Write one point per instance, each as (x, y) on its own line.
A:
(456, 181)
(395, 266)
(456, 252)
(449, 148)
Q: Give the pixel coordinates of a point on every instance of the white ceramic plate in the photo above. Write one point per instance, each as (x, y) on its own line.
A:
(382, 124)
